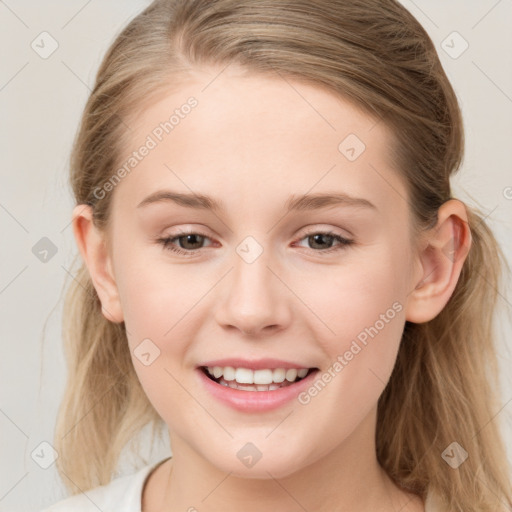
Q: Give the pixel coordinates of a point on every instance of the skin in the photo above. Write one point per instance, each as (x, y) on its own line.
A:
(251, 142)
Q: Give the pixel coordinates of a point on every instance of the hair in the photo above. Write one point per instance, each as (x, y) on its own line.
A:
(375, 54)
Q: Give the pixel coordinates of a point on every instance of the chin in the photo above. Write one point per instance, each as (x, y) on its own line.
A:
(263, 468)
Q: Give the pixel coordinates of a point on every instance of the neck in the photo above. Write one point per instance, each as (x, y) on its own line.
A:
(347, 478)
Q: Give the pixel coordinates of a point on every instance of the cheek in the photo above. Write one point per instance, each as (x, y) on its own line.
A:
(365, 310)
(365, 314)
(156, 298)
(362, 310)
(158, 305)
(350, 297)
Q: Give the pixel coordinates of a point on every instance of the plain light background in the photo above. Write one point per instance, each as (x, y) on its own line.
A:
(41, 102)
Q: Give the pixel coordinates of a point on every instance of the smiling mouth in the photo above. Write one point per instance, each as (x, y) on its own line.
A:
(284, 381)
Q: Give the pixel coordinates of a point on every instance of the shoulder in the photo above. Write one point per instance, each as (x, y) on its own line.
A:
(123, 494)
(118, 492)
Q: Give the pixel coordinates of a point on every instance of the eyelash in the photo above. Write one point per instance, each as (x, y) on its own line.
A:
(167, 242)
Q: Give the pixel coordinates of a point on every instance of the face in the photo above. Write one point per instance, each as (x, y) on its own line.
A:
(252, 283)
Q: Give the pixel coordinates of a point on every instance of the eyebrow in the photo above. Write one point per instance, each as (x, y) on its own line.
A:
(305, 202)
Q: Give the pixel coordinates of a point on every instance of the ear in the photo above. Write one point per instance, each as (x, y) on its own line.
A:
(93, 248)
(441, 257)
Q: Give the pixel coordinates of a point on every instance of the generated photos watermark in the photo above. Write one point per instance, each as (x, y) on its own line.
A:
(342, 360)
(152, 140)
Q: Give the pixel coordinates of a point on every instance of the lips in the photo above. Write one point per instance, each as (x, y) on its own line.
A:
(250, 399)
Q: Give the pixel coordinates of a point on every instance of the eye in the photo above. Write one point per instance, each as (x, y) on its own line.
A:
(189, 243)
(320, 239)
(187, 240)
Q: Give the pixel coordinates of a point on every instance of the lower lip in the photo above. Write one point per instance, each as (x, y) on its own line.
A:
(255, 401)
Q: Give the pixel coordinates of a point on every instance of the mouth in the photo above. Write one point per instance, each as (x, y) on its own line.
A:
(244, 379)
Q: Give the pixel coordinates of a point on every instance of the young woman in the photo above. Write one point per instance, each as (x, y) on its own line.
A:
(275, 269)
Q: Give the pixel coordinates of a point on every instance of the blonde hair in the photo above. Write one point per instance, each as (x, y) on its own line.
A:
(374, 53)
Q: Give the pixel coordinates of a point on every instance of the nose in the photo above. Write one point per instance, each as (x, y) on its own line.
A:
(254, 300)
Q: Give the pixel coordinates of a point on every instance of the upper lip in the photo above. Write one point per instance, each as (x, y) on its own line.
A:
(254, 364)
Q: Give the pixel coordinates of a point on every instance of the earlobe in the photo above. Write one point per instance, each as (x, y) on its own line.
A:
(441, 259)
(92, 246)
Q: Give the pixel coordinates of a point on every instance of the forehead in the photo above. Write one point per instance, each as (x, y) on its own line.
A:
(249, 137)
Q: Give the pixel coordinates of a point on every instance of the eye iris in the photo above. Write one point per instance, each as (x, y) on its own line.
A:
(313, 239)
(193, 237)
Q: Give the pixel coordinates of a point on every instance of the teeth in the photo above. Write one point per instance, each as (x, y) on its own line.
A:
(253, 387)
(265, 377)
(278, 375)
(229, 373)
(291, 374)
(244, 376)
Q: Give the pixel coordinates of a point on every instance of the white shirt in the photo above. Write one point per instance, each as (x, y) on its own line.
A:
(124, 494)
